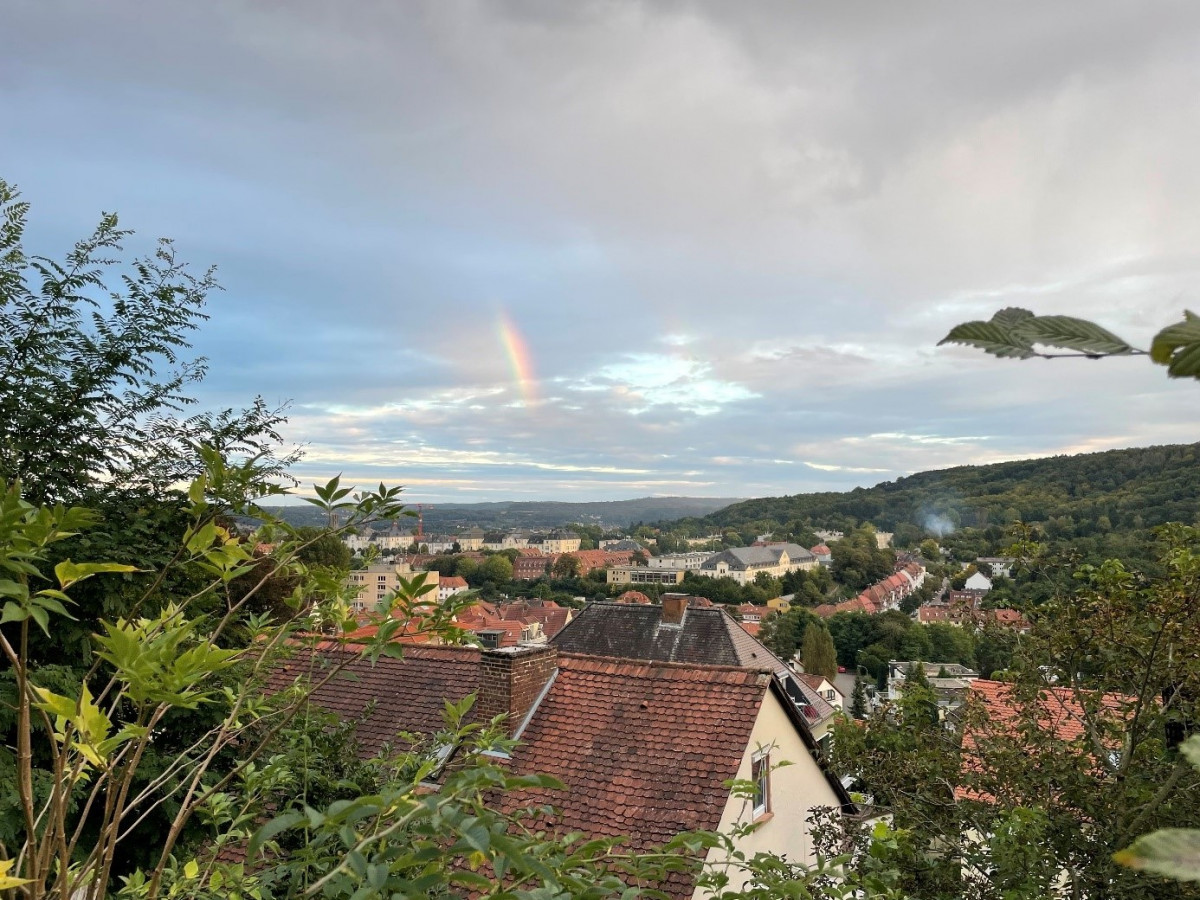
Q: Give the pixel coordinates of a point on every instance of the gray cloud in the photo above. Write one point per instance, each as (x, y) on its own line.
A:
(730, 235)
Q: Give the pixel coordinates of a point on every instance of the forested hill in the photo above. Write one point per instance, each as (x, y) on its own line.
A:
(541, 514)
(1075, 496)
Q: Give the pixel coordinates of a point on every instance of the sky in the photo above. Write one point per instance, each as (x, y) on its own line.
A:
(598, 250)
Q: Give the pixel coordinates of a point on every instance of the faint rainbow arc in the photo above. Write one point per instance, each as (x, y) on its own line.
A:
(519, 358)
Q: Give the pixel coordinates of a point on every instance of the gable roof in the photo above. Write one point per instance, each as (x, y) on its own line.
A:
(623, 737)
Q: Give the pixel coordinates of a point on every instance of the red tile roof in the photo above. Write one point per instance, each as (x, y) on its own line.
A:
(751, 628)
(633, 597)
(452, 581)
(399, 694)
(1058, 711)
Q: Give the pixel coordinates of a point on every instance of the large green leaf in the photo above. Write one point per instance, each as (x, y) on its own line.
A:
(1173, 852)
(1072, 334)
(1178, 347)
(1000, 336)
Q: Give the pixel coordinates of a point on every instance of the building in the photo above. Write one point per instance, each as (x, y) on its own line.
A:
(824, 688)
(823, 554)
(978, 582)
(555, 542)
(449, 585)
(529, 567)
(471, 539)
(744, 564)
(753, 614)
(379, 580)
(551, 617)
(676, 631)
(686, 562)
(949, 681)
(1000, 566)
(645, 749)
(642, 575)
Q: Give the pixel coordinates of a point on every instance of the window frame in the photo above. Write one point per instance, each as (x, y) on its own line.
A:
(760, 776)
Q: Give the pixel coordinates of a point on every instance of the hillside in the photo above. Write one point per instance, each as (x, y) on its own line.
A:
(1092, 496)
(542, 514)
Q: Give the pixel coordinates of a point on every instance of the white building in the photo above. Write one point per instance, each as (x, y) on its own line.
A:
(681, 561)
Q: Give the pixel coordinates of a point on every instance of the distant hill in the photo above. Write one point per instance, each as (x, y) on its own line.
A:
(1076, 498)
(541, 514)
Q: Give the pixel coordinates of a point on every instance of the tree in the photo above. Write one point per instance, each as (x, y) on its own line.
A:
(92, 390)
(495, 569)
(566, 566)
(819, 655)
(858, 699)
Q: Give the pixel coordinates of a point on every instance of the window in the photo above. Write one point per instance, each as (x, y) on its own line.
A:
(760, 774)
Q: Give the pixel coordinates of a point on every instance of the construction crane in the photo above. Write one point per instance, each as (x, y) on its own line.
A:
(421, 507)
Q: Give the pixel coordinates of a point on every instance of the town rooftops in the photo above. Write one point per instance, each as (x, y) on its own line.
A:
(645, 748)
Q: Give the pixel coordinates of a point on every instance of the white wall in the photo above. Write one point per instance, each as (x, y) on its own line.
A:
(796, 790)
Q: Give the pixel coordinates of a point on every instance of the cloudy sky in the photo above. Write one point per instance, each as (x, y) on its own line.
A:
(593, 250)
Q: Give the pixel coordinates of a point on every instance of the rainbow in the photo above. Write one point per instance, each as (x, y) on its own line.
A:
(519, 358)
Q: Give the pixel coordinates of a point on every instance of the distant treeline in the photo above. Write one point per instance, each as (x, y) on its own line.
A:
(1101, 504)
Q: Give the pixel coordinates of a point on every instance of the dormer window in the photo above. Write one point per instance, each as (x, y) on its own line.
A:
(760, 774)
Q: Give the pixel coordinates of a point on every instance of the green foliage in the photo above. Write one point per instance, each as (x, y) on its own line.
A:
(819, 655)
(93, 376)
(1017, 333)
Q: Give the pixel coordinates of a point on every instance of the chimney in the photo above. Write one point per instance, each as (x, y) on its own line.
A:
(511, 682)
(673, 606)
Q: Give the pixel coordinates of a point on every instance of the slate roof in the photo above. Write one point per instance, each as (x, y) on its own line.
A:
(631, 631)
(706, 636)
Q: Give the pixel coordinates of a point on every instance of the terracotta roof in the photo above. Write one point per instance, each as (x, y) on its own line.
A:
(634, 597)
(625, 737)
(751, 628)
(820, 550)
(1058, 711)
(452, 581)
(392, 696)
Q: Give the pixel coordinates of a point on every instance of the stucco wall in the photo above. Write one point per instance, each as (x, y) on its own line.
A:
(795, 791)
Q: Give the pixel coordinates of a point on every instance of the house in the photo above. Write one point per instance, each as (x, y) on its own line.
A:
(744, 564)
(449, 585)
(751, 613)
(529, 566)
(950, 681)
(999, 566)
(824, 688)
(471, 539)
(676, 631)
(881, 596)
(823, 554)
(551, 617)
(978, 582)
(645, 748)
(555, 542)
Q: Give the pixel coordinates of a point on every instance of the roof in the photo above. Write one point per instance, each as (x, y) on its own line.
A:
(645, 749)
(622, 735)
(392, 696)
(1000, 707)
(705, 636)
(452, 581)
(821, 550)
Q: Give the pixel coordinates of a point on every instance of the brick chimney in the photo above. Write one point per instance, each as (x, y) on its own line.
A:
(511, 680)
(672, 609)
